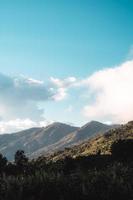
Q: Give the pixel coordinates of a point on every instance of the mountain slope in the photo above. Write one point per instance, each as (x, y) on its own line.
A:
(99, 143)
(33, 139)
(57, 136)
(91, 129)
(73, 138)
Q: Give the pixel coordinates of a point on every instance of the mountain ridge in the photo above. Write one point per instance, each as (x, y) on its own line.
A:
(98, 144)
(54, 137)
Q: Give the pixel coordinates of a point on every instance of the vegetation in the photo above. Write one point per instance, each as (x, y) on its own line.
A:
(95, 177)
(100, 143)
(100, 169)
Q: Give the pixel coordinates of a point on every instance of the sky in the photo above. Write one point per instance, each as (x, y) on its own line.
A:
(65, 60)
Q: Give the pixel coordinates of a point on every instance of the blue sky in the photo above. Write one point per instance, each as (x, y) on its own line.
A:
(40, 39)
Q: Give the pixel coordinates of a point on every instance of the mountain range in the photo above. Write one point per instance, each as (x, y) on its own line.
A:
(46, 140)
(99, 144)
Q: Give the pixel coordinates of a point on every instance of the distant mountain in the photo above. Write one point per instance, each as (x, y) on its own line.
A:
(57, 136)
(33, 139)
(99, 143)
(91, 129)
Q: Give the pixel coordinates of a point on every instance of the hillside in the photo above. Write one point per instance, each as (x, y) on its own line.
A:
(97, 144)
(57, 136)
(33, 139)
(91, 129)
(86, 171)
(78, 136)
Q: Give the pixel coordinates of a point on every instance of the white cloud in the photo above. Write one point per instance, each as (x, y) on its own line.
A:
(66, 83)
(113, 92)
(19, 97)
(109, 91)
(15, 125)
(60, 95)
(19, 124)
(34, 81)
(62, 86)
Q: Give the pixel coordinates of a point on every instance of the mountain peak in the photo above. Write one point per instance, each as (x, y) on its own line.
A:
(93, 123)
(59, 125)
(55, 136)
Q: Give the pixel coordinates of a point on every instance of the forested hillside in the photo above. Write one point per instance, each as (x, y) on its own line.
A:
(103, 175)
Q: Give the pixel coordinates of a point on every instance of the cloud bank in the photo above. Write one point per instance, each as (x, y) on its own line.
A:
(12, 126)
(108, 97)
(19, 102)
(110, 93)
(62, 87)
(112, 90)
(19, 97)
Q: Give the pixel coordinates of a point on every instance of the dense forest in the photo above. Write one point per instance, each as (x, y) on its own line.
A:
(95, 177)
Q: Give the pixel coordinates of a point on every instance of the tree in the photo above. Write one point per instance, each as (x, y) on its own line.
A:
(21, 160)
(3, 163)
(122, 149)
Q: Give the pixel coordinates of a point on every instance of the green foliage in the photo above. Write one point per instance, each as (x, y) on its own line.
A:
(122, 149)
(3, 162)
(96, 177)
(20, 158)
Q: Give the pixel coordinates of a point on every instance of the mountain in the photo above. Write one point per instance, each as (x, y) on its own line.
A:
(33, 139)
(74, 138)
(57, 136)
(81, 134)
(99, 143)
(91, 129)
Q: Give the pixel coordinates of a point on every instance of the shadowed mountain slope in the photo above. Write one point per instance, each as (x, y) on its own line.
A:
(98, 144)
(33, 139)
(57, 136)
